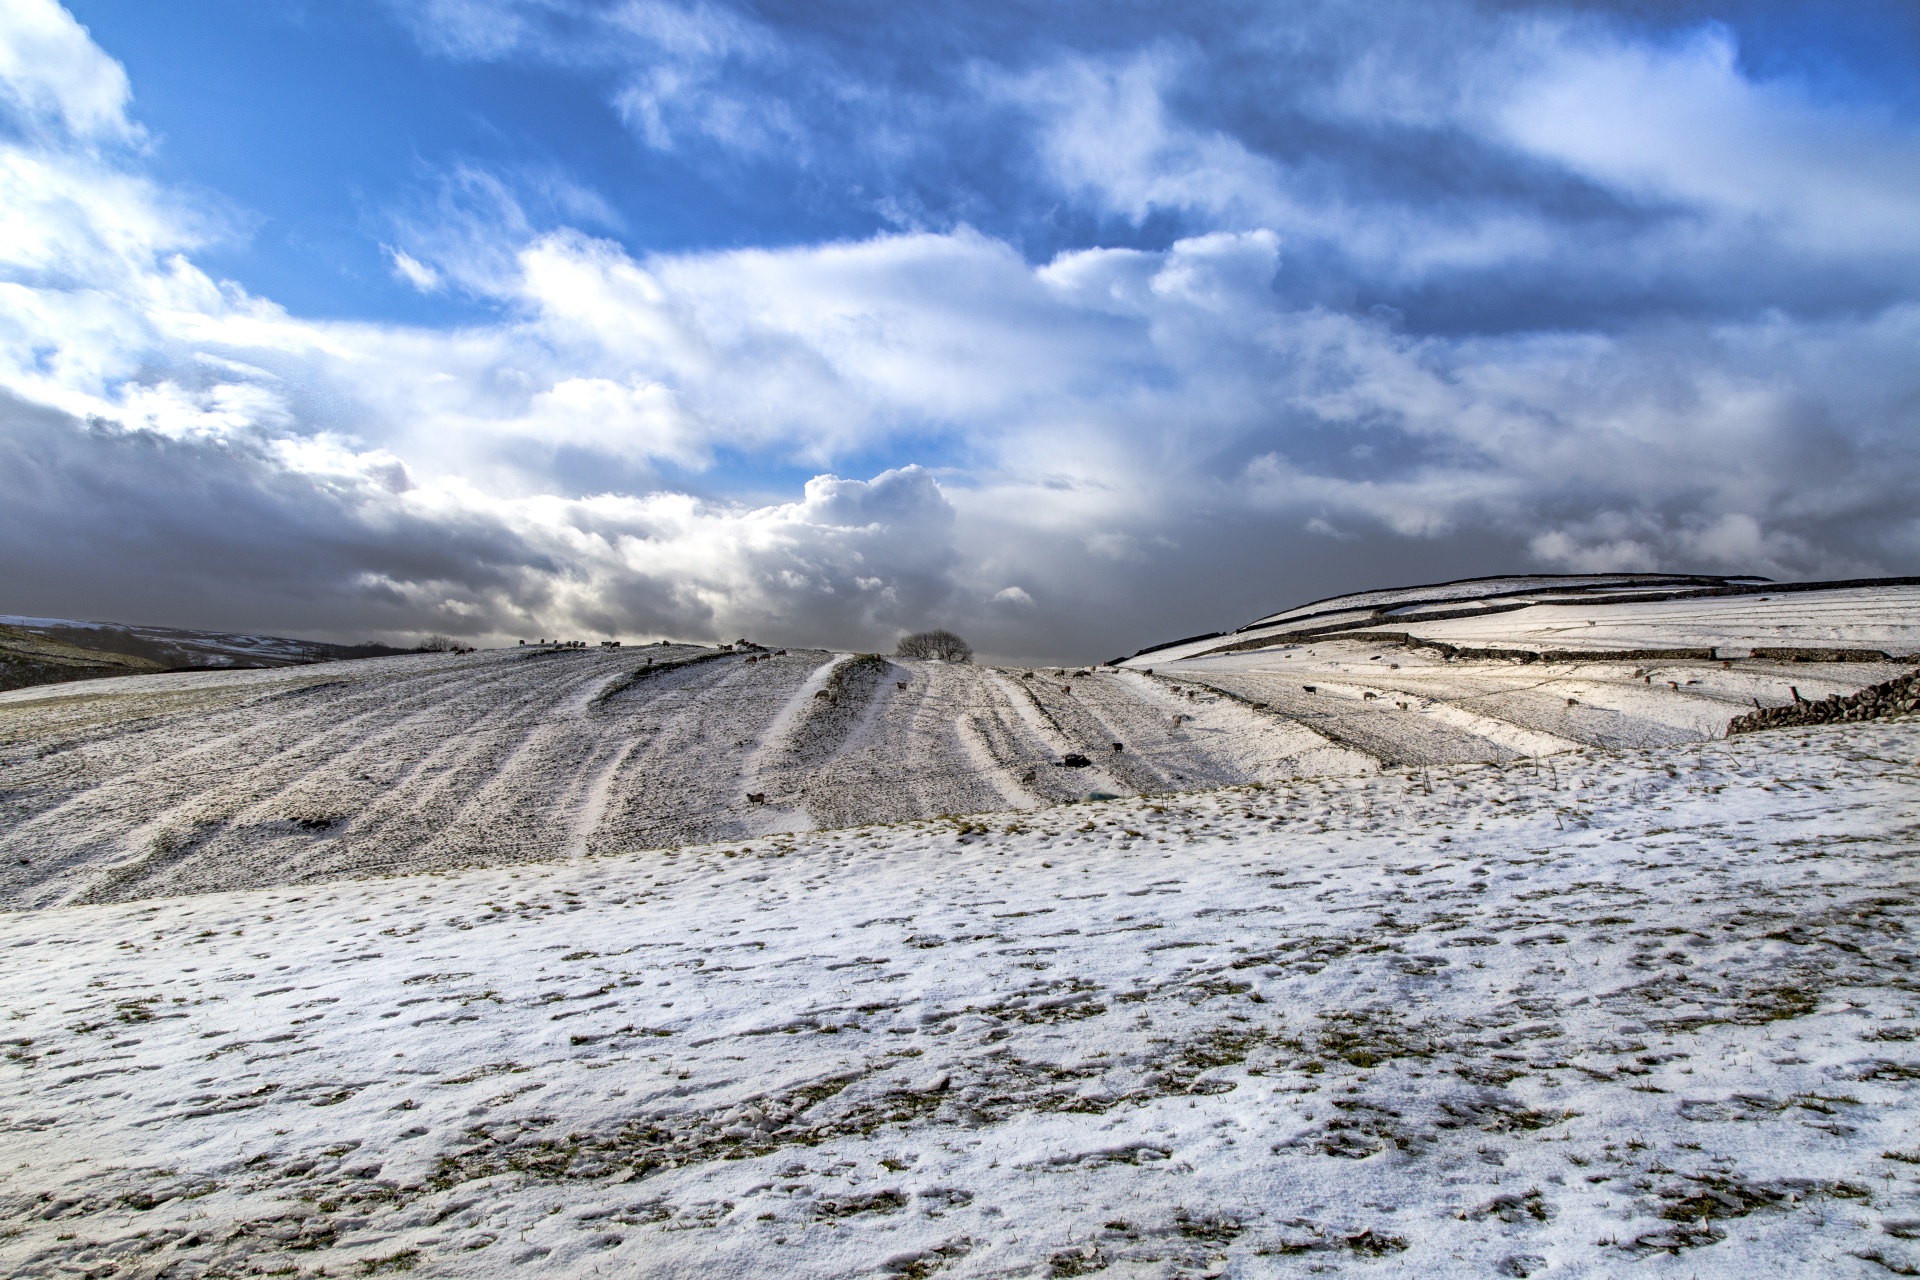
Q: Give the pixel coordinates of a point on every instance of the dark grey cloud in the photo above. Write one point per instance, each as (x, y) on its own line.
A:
(131, 525)
(117, 525)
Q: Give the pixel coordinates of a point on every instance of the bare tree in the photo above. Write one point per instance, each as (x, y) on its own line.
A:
(439, 644)
(944, 645)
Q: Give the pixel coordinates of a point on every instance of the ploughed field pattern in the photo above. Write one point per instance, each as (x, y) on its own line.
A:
(178, 783)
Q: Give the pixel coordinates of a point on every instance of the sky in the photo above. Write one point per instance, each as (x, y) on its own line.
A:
(1070, 327)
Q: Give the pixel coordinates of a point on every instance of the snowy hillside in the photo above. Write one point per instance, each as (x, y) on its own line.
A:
(1620, 614)
(30, 658)
(185, 782)
(1442, 933)
(1642, 1014)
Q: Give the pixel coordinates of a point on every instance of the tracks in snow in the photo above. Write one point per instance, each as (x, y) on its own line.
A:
(185, 784)
(176, 784)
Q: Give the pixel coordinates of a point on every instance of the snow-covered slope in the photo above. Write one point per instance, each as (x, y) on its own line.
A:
(1592, 615)
(188, 782)
(1439, 933)
(30, 658)
(1496, 592)
(1604, 1014)
(1494, 668)
(1883, 617)
(193, 781)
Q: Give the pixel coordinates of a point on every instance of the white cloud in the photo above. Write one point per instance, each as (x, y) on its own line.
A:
(414, 272)
(1620, 541)
(52, 75)
(1722, 175)
(1105, 132)
(674, 64)
(477, 29)
(850, 559)
(1319, 528)
(1685, 124)
(1106, 135)
(677, 82)
(1122, 548)
(1718, 171)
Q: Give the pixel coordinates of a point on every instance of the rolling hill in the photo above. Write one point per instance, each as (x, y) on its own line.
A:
(53, 650)
(1428, 933)
(226, 778)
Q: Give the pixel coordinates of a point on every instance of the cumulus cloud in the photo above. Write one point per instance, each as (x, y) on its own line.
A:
(330, 541)
(1150, 438)
(53, 76)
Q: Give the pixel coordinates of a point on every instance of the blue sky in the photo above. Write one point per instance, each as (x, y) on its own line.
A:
(1068, 326)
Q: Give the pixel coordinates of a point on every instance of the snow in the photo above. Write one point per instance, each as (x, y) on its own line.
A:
(1644, 1013)
(1387, 959)
(1412, 706)
(1495, 588)
(1605, 612)
(1885, 618)
(195, 781)
(207, 780)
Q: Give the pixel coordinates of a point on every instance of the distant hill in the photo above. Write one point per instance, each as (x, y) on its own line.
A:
(28, 658)
(50, 650)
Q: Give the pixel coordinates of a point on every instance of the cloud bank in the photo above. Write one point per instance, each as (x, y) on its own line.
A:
(1556, 292)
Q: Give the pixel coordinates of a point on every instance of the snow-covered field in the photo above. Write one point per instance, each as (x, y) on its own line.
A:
(1646, 1013)
(188, 782)
(182, 783)
(1347, 946)
(1884, 618)
(1596, 615)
